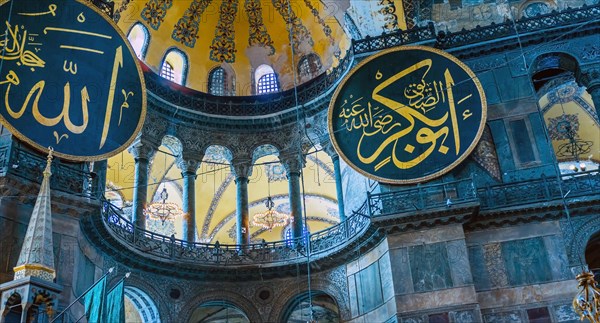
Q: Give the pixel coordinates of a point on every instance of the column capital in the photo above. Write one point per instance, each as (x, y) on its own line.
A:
(293, 163)
(241, 168)
(589, 77)
(188, 165)
(142, 150)
(330, 150)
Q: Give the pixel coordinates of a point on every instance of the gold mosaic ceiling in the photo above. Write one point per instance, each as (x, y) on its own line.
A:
(238, 35)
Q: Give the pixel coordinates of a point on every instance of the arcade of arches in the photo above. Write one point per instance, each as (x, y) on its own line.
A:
(233, 204)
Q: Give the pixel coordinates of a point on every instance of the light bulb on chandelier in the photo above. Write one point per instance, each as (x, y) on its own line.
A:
(163, 210)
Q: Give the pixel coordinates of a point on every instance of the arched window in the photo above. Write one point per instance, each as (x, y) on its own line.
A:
(217, 312)
(138, 38)
(309, 66)
(266, 80)
(139, 306)
(167, 71)
(174, 66)
(217, 82)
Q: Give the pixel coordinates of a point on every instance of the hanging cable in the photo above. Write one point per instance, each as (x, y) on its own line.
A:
(305, 235)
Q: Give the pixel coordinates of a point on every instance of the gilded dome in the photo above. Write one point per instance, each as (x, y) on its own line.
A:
(233, 47)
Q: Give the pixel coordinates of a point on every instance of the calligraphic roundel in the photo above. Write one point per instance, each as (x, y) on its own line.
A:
(68, 79)
(407, 115)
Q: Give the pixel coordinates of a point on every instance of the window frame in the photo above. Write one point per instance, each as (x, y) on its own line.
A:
(144, 49)
(184, 67)
(224, 88)
(513, 144)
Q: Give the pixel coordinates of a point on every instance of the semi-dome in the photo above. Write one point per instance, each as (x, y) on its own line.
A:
(233, 47)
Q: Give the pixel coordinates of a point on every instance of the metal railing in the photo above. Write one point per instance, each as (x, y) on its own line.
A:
(287, 251)
(480, 34)
(325, 242)
(540, 190)
(398, 38)
(68, 178)
(567, 17)
(422, 197)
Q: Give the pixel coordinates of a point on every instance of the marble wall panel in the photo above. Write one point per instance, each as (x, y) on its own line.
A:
(526, 261)
(458, 262)
(401, 271)
(429, 267)
(479, 270)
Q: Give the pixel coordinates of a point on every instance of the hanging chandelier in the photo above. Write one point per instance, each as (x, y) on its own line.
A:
(163, 210)
(587, 301)
(271, 218)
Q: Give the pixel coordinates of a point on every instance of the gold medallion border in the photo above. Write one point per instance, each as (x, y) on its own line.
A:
(430, 176)
(140, 124)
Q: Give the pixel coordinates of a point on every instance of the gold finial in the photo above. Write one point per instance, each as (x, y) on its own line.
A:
(47, 171)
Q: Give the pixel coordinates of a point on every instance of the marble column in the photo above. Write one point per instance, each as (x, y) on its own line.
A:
(188, 168)
(293, 165)
(335, 158)
(590, 78)
(242, 169)
(142, 153)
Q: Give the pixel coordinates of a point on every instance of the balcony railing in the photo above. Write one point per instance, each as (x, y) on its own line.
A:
(427, 197)
(288, 251)
(323, 243)
(446, 40)
(540, 190)
(68, 178)
(422, 197)
(401, 37)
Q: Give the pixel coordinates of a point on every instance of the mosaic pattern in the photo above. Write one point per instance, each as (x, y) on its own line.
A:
(223, 46)
(187, 28)
(388, 10)
(485, 155)
(327, 168)
(122, 7)
(213, 205)
(258, 32)
(421, 9)
(299, 32)
(275, 172)
(326, 28)
(154, 12)
(217, 154)
(562, 128)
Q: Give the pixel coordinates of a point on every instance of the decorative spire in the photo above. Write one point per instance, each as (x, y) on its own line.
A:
(37, 254)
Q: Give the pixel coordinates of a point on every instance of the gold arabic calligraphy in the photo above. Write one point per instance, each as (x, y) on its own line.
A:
(14, 47)
(382, 118)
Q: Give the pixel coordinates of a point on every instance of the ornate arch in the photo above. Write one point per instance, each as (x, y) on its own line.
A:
(333, 284)
(547, 65)
(237, 300)
(164, 314)
(576, 240)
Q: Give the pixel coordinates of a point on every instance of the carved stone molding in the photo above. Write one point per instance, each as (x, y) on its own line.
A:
(204, 294)
(241, 168)
(590, 78)
(293, 163)
(143, 149)
(577, 237)
(188, 166)
(333, 283)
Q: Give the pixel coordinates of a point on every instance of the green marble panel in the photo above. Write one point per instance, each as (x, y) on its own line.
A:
(429, 267)
(526, 261)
